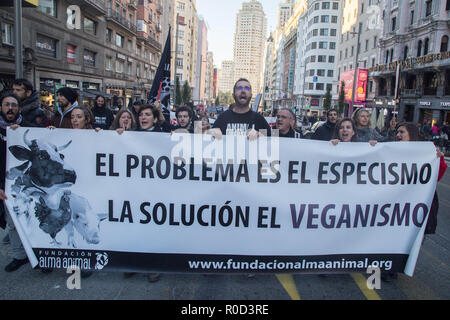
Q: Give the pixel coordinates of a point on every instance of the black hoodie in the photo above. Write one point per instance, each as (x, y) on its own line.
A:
(103, 117)
(32, 113)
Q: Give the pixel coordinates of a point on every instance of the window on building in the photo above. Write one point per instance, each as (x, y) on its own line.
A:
(129, 67)
(335, 6)
(324, 32)
(119, 66)
(393, 24)
(426, 46)
(330, 59)
(419, 48)
(90, 26)
(392, 54)
(46, 46)
(411, 21)
(322, 58)
(405, 52)
(325, 5)
(119, 40)
(334, 19)
(330, 73)
(319, 86)
(108, 35)
(325, 19)
(321, 72)
(444, 44)
(89, 58)
(447, 5)
(311, 73)
(332, 45)
(333, 32)
(108, 63)
(47, 7)
(428, 7)
(7, 34)
(375, 40)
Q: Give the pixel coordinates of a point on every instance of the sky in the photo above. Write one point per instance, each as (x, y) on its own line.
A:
(220, 16)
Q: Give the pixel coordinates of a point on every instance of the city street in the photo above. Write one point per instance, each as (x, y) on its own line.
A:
(431, 279)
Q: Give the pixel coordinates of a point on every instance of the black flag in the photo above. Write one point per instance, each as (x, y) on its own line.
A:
(161, 83)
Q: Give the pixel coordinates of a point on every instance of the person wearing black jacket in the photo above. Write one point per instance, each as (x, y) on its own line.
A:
(286, 123)
(30, 104)
(325, 131)
(10, 117)
(103, 116)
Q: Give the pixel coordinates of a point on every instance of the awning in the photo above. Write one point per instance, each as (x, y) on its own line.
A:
(85, 94)
(97, 93)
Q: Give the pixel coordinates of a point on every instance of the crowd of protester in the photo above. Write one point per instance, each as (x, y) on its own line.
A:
(21, 107)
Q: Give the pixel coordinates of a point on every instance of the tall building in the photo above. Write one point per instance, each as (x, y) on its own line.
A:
(185, 58)
(414, 46)
(225, 77)
(200, 72)
(114, 50)
(316, 54)
(249, 40)
(285, 11)
(209, 79)
(361, 20)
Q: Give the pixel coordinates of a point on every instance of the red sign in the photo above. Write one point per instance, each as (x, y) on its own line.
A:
(71, 53)
(361, 89)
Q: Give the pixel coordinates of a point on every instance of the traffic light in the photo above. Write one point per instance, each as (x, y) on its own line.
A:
(266, 90)
(308, 103)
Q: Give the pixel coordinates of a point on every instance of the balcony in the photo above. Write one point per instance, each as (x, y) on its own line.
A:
(158, 27)
(132, 5)
(152, 42)
(95, 7)
(411, 93)
(114, 16)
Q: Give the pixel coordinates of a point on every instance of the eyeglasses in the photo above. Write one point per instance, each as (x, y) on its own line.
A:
(10, 105)
(243, 88)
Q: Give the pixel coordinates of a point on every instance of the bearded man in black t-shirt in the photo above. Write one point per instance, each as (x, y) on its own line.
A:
(240, 119)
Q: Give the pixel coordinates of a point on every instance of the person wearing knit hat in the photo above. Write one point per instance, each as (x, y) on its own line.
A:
(67, 101)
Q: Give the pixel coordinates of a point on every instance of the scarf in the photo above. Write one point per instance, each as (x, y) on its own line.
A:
(4, 123)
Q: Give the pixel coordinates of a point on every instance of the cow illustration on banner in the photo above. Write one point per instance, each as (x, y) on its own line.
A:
(44, 179)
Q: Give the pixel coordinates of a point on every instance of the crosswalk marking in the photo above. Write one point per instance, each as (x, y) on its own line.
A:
(287, 281)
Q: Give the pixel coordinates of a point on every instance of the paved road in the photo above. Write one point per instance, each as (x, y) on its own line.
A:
(431, 279)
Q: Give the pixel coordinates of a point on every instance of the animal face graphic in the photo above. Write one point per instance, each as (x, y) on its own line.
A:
(44, 165)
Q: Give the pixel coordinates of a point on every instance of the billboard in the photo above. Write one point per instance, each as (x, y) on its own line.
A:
(361, 81)
(349, 15)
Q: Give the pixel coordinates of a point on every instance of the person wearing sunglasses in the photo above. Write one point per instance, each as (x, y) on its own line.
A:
(240, 119)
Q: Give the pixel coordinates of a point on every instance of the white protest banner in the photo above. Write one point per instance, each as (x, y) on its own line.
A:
(101, 200)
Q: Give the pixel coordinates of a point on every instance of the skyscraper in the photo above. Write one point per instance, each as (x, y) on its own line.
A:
(249, 41)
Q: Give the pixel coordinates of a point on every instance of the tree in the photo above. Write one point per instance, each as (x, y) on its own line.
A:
(186, 93)
(341, 99)
(178, 97)
(327, 99)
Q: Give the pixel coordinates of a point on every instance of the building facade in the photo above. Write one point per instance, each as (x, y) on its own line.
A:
(105, 50)
(361, 19)
(413, 70)
(316, 54)
(185, 40)
(225, 77)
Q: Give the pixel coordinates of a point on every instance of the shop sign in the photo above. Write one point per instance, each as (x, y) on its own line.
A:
(445, 104)
(425, 103)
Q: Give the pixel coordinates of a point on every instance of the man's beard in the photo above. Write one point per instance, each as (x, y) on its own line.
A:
(5, 116)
